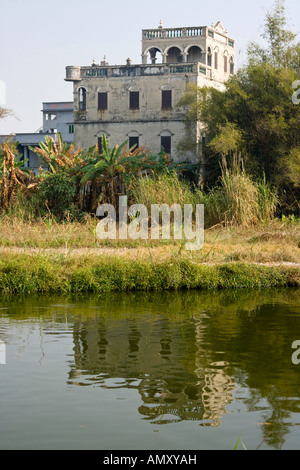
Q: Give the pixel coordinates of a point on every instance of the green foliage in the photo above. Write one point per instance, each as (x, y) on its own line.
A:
(255, 115)
(114, 169)
(238, 200)
(35, 274)
(281, 50)
(163, 188)
(293, 166)
(56, 195)
(58, 155)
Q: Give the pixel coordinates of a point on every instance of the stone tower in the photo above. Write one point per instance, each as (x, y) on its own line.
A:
(137, 102)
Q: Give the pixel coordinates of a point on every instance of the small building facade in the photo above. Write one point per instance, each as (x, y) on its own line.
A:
(57, 117)
(138, 102)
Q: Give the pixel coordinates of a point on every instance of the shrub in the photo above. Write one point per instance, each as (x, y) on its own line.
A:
(56, 194)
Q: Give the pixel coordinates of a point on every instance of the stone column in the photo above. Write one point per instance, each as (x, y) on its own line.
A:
(144, 59)
(184, 56)
(164, 57)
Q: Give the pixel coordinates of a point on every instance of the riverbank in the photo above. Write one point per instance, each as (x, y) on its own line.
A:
(46, 257)
(57, 273)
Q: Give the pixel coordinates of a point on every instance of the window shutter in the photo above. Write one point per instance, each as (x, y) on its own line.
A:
(166, 143)
(166, 99)
(102, 101)
(134, 100)
(133, 141)
(216, 60)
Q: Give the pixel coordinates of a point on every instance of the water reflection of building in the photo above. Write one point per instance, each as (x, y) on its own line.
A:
(162, 358)
(217, 391)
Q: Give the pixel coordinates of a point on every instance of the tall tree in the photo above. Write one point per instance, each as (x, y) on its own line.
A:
(255, 115)
(281, 49)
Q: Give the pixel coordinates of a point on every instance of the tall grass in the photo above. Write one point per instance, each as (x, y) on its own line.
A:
(165, 188)
(236, 200)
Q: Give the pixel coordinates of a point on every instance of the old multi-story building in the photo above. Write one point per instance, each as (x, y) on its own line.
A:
(138, 102)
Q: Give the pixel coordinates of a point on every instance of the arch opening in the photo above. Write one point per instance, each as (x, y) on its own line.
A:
(174, 55)
(154, 56)
(195, 54)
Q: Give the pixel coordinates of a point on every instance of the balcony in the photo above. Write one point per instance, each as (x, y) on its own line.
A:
(168, 33)
(142, 70)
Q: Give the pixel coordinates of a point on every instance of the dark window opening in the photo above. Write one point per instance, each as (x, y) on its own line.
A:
(166, 99)
(102, 101)
(209, 60)
(82, 99)
(133, 142)
(166, 143)
(231, 68)
(134, 100)
(225, 64)
(100, 149)
(216, 60)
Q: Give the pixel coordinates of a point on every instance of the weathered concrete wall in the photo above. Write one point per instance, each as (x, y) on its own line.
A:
(149, 134)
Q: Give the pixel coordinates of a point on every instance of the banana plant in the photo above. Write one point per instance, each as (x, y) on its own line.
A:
(59, 155)
(114, 168)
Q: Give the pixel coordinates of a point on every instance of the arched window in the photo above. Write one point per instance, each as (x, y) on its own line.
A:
(82, 99)
(134, 98)
(134, 139)
(225, 63)
(99, 140)
(166, 141)
(209, 57)
(166, 97)
(102, 99)
(216, 59)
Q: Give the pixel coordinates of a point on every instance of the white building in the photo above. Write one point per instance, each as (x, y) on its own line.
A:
(57, 117)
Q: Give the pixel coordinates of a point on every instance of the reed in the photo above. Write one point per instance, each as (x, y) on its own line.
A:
(164, 188)
(239, 201)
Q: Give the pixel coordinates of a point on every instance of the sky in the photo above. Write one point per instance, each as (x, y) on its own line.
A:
(39, 39)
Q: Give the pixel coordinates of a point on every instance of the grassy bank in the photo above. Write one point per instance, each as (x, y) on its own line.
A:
(58, 273)
(45, 256)
(277, 241)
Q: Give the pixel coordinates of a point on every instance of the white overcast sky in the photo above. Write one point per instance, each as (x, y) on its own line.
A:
(39, 39)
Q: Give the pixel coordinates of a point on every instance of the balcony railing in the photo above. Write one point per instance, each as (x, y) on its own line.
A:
(165, 33)
(142, 70)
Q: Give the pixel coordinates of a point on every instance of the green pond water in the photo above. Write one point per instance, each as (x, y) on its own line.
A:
(166, 371)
